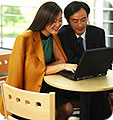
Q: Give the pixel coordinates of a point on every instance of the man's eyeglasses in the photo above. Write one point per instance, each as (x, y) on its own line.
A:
(81, 21)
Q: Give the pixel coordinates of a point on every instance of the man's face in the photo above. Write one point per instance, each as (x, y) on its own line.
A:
(78, 21)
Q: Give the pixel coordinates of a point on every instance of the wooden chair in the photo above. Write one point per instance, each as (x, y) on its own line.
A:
(4, 59)
(26, 104)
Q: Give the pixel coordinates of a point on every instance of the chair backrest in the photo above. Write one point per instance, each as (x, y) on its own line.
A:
(27, 104)
(4, 59)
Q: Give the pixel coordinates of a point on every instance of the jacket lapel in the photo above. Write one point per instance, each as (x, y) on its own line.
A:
(56, 38)
(89, 38)
(38, 47)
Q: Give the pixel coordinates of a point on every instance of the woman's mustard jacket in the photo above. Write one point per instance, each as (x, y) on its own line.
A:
(26, 66)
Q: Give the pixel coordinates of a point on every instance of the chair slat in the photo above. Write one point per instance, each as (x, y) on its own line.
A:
(4, 60)
(26, 104)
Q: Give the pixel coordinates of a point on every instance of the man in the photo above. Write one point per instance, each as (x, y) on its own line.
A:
(93, 106)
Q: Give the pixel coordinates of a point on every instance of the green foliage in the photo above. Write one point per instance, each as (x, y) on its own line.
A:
(13, 15)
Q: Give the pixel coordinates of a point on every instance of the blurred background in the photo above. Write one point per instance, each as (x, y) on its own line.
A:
(17, 15)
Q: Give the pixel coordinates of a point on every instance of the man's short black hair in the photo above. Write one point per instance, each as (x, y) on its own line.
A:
(74, 7)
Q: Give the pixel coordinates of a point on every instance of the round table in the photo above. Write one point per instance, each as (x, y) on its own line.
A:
(102, 83)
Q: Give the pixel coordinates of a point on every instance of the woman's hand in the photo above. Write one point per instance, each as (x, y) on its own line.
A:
(51, 68)
(71, 67)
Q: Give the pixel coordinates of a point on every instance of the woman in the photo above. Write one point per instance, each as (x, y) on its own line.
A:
(38, 52)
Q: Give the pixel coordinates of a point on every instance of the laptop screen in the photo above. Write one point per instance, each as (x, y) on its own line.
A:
(94, 62)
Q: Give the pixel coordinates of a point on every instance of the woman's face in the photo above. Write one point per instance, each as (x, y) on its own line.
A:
(54, 27)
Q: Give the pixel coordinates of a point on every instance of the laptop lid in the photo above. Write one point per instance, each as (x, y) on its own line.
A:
(94, 62)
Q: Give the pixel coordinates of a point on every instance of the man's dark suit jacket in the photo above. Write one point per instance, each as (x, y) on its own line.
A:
(93, 106)
(95, 38)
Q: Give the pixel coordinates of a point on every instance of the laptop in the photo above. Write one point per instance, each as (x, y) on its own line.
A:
(93, 63)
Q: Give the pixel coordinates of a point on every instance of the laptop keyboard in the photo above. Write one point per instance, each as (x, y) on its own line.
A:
(67, 74)
(70, 75)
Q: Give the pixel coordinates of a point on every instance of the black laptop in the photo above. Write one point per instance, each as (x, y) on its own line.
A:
(93, 63)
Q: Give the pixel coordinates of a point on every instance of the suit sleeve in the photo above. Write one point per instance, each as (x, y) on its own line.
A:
(67, 41)
(102, 38)
(16, 63)
(15, 67)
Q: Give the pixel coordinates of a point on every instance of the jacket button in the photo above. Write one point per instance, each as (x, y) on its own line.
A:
(43, 69)
(39, 86)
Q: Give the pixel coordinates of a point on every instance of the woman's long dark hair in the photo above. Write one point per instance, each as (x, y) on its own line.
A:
(46, 14)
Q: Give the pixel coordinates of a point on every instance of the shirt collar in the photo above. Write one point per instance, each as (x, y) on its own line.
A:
(83, 35)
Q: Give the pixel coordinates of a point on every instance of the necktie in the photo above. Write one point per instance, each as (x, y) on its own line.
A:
(80, 40)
